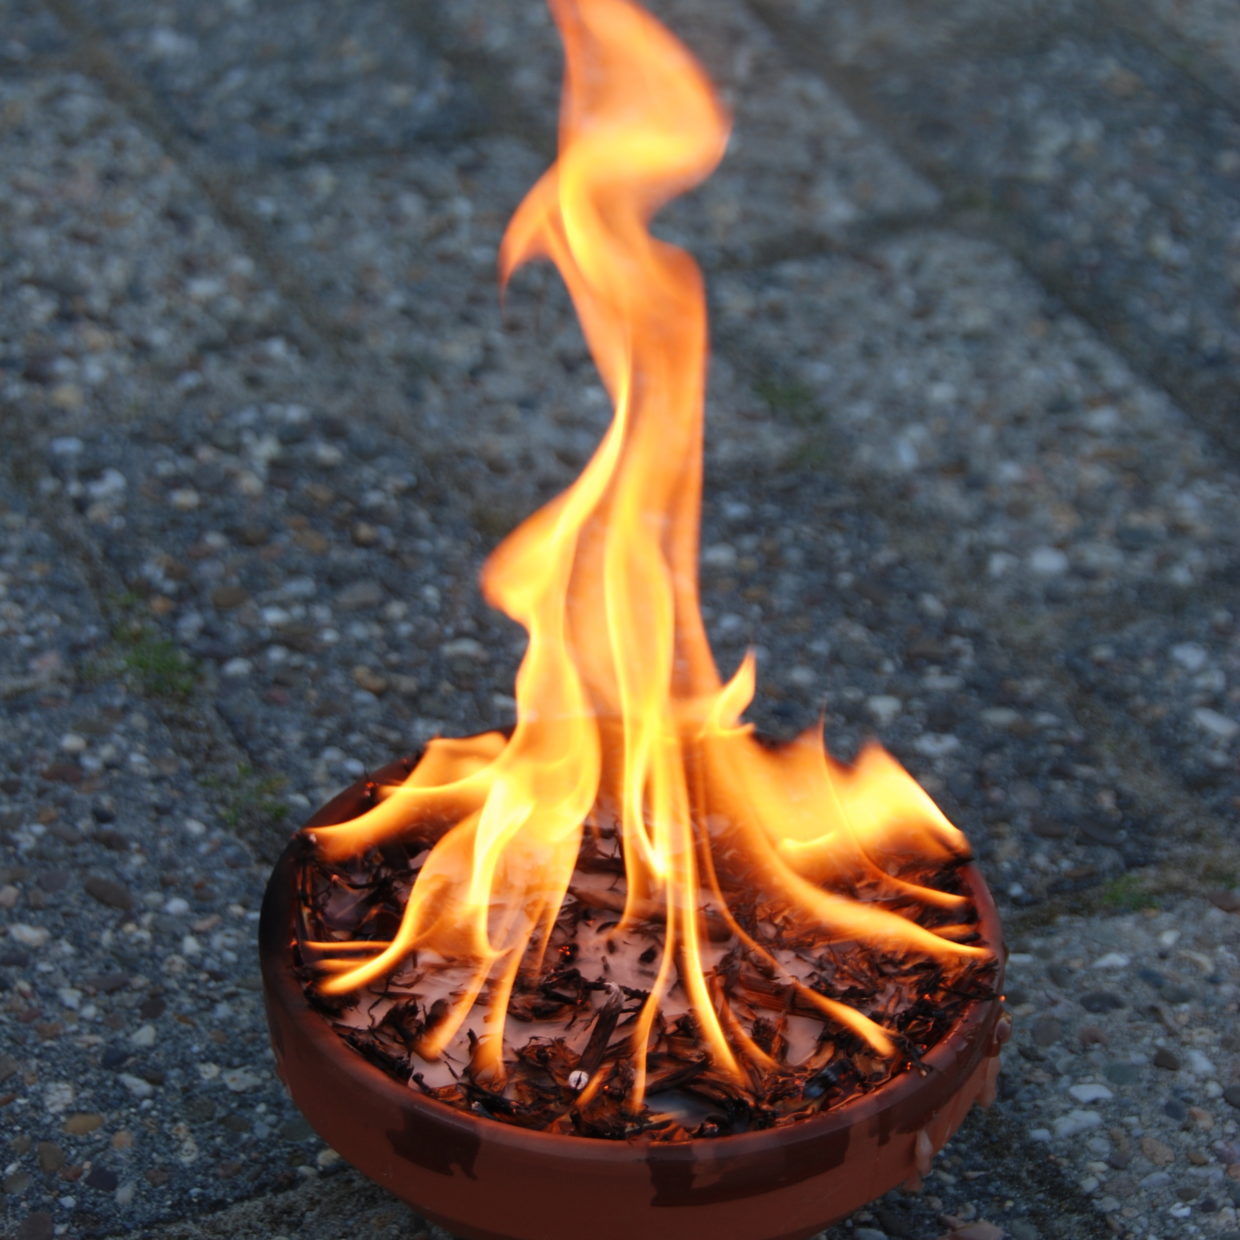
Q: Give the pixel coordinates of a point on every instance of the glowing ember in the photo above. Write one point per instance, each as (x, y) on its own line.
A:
(680, 883)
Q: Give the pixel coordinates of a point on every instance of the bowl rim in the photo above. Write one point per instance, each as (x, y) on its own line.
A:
(953, 1058)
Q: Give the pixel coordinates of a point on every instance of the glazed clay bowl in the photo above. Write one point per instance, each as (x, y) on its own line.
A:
(485, 1180)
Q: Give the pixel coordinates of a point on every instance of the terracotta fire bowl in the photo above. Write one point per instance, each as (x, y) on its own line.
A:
(486, 1180)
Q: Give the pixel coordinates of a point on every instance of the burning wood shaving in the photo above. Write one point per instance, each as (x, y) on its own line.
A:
(574, 1071)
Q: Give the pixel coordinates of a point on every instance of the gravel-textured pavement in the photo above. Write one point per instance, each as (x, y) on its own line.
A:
(974, 487)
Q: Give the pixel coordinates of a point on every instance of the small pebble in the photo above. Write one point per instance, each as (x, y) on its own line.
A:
(1174, 1108)
(227, 597)
(239, 1080)
(1216, 724)
(1112, 960)
(30, 936)
(465, 648)
(184, 499)
(361, 596)
(370, 680)
(102, 1178)
(82, 1123)
(884, 708)
(1158, 1152)
(1100, 1001)
(1091, 1093)
(1048, 562)
(107, 891)
(51, 1157)
(136, 1085)
(1075, 1121)
(979, 1230)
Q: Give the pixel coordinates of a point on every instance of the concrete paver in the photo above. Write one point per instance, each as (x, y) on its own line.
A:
(1107, 166)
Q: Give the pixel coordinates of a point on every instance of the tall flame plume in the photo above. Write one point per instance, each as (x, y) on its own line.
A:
(622, 715)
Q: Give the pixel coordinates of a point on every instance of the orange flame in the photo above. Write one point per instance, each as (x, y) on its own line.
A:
(621, 713)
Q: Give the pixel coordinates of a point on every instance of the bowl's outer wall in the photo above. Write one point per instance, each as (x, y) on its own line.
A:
(490, 1181)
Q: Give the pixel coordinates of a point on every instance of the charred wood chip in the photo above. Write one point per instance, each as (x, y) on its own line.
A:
(915, 999)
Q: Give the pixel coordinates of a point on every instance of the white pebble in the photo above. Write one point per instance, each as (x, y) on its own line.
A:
(1191, 656)
(719, 555)
(936, 744)
(169, 42)
(1199, 1064)
(1112, 960)
(239, 1080)
(136, 1085)
(999, 563)
(1048, 562)
(143, 1036)
(1216, 724)
(29, 936)
(108, 485)
(177, 905)
(884, 708)
(1104, 418)
(71, 742)
(1089, 1092)
(465, 647)
(59, 1096)
(1076, 1121)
